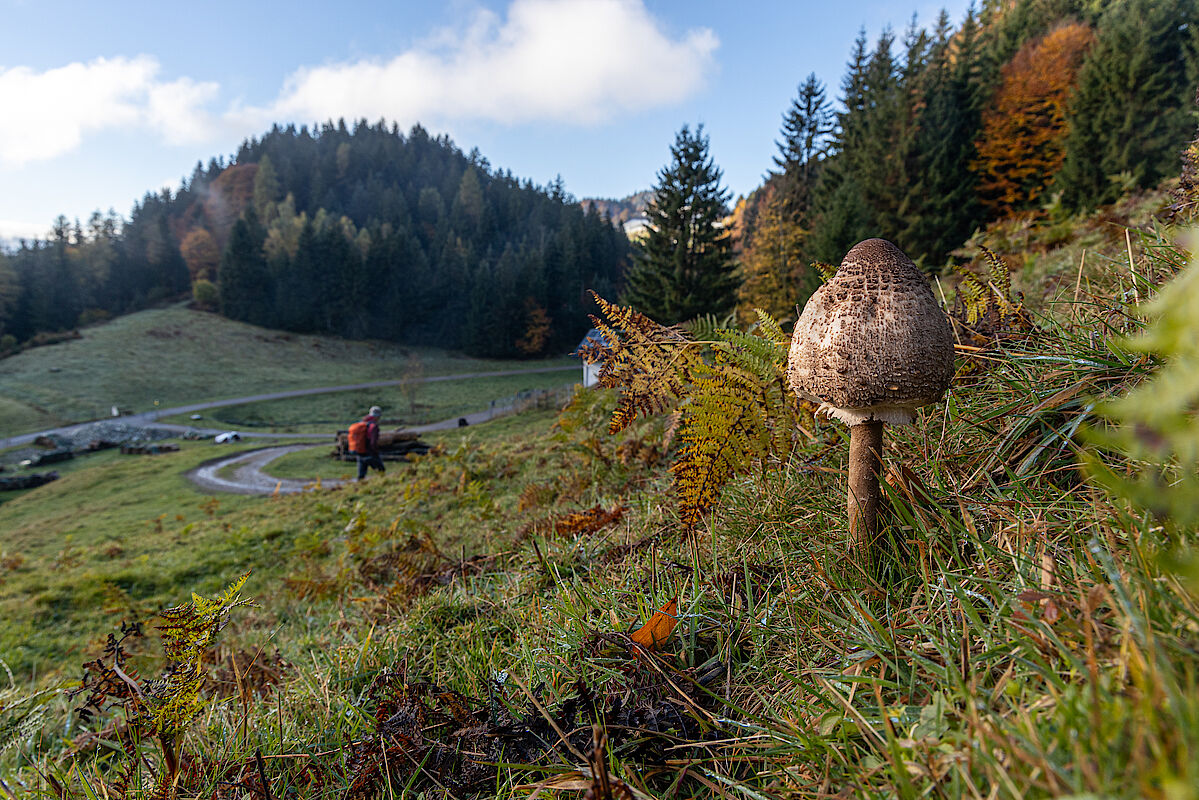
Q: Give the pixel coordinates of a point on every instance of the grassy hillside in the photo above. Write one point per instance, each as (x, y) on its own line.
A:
(426, 403)
(175, 356)
(455, 626)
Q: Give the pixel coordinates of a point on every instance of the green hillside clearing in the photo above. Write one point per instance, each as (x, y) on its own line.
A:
(176, 356)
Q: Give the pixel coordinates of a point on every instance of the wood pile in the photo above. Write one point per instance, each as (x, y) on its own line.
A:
(15, 482)
(52, 457)
(393, 445)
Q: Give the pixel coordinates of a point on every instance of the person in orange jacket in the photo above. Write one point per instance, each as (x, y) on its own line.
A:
(364, 442)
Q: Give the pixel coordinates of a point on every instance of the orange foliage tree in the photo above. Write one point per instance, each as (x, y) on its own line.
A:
(1024, 127)
(200, 252)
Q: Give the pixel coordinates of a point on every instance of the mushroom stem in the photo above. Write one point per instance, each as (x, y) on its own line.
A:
(865, 448)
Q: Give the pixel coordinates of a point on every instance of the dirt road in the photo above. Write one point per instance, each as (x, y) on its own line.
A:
(247, 476)
(148, 418)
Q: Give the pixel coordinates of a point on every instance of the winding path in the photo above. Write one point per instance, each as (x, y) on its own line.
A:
(147, 418)
(248, 477)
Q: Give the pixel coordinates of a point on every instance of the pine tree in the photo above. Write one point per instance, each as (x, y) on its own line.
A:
(1131, 111)
(860, 191)
(807, 126)
(941, 206)
(245, 284)
(684, 267)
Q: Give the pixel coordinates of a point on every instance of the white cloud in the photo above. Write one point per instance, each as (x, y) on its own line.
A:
(573, 61)
(46, 114)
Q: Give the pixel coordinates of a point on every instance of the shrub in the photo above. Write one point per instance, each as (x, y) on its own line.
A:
(205, 294)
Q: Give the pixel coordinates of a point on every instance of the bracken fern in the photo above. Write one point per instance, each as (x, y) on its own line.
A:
(731, 392)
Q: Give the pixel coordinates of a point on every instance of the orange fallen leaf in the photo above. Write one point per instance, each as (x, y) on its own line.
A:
(654, 633)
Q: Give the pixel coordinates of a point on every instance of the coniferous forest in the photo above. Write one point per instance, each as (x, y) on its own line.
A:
(1039, 108)
(361, 232)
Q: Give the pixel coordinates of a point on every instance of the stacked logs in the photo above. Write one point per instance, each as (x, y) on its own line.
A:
(393, 445)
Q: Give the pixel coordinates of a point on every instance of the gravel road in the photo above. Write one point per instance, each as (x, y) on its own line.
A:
(148, 418)
(248, 476)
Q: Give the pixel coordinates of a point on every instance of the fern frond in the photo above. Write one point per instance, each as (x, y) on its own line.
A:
(173, 700)
(825, 271)
(581, 523)
(649, 362)
(990, 307)
(760, 356)
(731, 392)
(769, 328)
(707, 327)
(739, 415)
(973, 295)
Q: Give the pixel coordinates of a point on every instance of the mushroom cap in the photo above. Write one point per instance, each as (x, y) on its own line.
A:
(872, 344)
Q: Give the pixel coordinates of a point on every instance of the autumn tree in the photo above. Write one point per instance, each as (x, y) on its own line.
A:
(537, 332)
(777, 276)
(1024, 126)
(200, 252)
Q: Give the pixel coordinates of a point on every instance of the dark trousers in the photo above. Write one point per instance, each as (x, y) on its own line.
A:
(372, 460)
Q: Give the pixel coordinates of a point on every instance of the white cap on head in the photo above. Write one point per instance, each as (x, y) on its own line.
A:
(375, 412)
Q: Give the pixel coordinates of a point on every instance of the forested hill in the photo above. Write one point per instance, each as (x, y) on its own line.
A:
(1031, 109)
(359, 232)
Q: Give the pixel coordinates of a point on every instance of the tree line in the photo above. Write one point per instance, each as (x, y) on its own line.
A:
(362, 231)
(1036, 107)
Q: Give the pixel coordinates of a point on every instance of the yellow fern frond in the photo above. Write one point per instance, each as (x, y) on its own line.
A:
(649, 362)
(769, 328)
(736, 409)
(739, 414)
(173, 699)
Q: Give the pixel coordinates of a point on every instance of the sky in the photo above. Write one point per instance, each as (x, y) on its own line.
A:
(103, 102)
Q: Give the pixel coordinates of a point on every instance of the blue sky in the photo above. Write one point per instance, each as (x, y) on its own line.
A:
(101, 102)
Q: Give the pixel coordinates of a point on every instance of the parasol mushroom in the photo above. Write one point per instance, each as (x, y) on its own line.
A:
(871, 346)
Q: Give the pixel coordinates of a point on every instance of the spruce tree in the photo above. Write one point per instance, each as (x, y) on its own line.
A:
(853, 193)
(1131, 111)
(245, 284)
(684, 268)
(807, 126)
(941, 205)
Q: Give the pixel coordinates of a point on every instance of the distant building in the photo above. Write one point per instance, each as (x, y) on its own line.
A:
(590, 370)
(637, 228)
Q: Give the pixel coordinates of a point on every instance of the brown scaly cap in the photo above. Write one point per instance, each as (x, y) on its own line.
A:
(872, 343)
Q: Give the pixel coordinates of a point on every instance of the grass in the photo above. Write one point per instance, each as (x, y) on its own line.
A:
(1027, 633)
(122, 533)
(176, 356)
(316, 462)
(328, 412)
